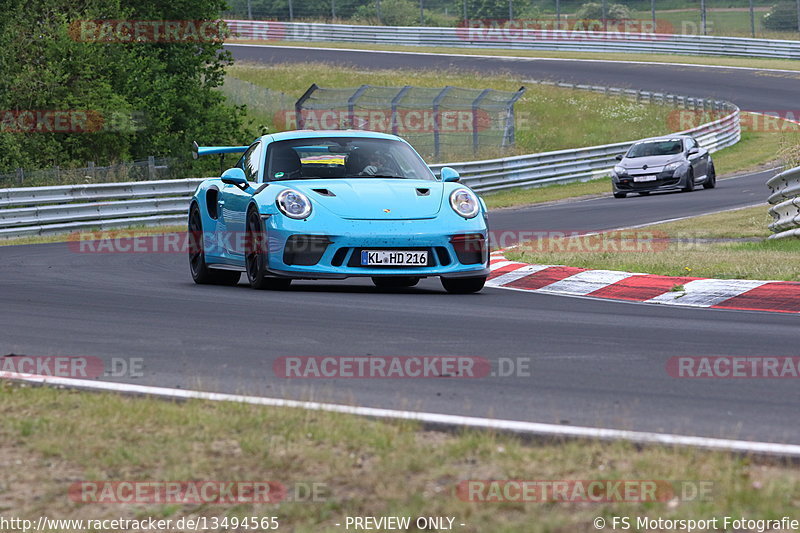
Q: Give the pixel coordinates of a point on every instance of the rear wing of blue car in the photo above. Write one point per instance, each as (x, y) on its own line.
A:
(197, 151)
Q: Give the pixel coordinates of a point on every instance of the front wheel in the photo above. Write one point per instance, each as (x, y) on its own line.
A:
(255, 259)
(620, 195)
(689, 182)
(463, 285)
(201, 273)
(395, 282)
(711, 177)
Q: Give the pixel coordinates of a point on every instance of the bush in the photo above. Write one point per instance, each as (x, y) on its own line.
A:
(782, 17)
(393, 13)
(594, 11)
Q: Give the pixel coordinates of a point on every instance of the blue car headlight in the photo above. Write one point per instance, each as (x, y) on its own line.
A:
(464, 202)
(293, 204)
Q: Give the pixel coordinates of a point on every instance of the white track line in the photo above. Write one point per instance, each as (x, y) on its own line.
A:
(512, 58)
(528, 428)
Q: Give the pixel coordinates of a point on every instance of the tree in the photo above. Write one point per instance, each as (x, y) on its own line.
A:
(169, 86)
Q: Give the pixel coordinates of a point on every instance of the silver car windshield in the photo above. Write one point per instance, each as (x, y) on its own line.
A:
(343, 157)
(652, 148)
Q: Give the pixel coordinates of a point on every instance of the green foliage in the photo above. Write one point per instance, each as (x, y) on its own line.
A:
(392, 12)
(154, 98)
(594, 11)
(782, 17)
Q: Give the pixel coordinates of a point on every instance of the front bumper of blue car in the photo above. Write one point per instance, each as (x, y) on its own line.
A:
(458, 248)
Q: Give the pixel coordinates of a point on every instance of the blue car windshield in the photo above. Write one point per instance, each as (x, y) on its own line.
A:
(651, 148)
(343, 157)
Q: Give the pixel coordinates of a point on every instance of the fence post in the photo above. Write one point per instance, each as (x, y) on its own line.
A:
(396, 100)
(351, 104)
(90, 168)
(298, 106)
(437, 119)
(475, 104)
(421, 13)
(752, 20)
(703, 15)
(20, 176)
(151, 167)
(333, 9)
(510, 135)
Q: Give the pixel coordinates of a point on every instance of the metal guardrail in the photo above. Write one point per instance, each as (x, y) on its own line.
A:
(29, 211)
(500, 37)
(785, 201)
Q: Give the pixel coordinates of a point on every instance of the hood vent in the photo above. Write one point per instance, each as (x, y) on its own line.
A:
(323, 192)
(423, 192)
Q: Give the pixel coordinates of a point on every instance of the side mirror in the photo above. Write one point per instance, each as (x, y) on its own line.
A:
(234, 176)
(619, 157)
(449, 174)
(693, 151)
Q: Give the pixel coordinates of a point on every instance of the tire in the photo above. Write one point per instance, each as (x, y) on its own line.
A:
(395, 282)
(711, 179)
(255, 258)
(463, 285)
(644, 193)
(620, 194)
(689, 182)
(201, 273)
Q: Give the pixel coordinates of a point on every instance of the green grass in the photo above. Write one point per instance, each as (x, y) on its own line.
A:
(547, 118)
(364, 467)
(711, 246)
(780, 64)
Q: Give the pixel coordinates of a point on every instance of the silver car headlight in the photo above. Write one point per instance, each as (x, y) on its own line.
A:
(620, 170)
(672, 167)
(293, 204)
(464, 202)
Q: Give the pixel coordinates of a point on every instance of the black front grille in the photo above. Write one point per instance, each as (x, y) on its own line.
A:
(355, 258)
(470, 249)
(305, 250)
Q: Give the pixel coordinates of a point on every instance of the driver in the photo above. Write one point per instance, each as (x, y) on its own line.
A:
(376, 163)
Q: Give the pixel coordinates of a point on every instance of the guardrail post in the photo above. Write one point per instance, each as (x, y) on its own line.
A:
(20, 176)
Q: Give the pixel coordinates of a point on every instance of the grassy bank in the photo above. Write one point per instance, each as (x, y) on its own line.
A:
(360, 467)
(727, 245)
(547, 118)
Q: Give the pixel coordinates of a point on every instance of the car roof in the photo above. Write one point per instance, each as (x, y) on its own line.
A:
(663, 139)
(314, 134)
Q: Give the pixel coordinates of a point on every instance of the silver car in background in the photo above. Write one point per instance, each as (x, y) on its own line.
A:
(675, 162)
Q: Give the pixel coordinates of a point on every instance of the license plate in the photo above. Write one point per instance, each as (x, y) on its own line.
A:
(639, 179)
(393, 258)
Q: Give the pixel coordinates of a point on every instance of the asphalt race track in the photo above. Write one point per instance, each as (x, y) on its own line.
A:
(594, 363)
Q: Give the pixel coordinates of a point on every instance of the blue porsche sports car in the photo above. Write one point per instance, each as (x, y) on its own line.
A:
(332, 205)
